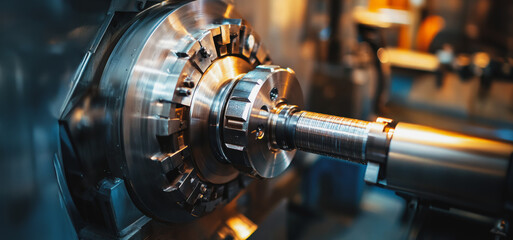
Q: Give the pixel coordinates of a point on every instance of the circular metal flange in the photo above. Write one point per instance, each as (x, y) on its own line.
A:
(160, 82)
(248, 141)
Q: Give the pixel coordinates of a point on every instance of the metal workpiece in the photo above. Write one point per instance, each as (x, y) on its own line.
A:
(346, 138)
(331, 135)
(453, 168)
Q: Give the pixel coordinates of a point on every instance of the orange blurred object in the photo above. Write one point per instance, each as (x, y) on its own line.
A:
(428, 30)
(376, 5)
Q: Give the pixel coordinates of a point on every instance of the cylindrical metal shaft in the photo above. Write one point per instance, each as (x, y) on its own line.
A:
(330, 135)
(453, 168)
(350, 139)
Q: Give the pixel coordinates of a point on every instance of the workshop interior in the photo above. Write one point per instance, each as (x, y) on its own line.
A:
(240, 119)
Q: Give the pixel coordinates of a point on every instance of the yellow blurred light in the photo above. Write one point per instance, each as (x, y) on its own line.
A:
(384, 17)
(241, 226)
(413, 60)
(481, 59)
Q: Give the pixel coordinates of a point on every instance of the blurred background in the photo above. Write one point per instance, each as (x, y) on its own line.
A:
(443, 63)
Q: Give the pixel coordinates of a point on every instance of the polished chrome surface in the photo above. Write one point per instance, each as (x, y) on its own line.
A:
(455, 168)
(246, 129)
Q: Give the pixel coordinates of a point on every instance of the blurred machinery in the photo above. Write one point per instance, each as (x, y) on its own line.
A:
(176, 119)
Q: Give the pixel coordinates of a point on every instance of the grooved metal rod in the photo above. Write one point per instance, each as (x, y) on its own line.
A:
(329, 135)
